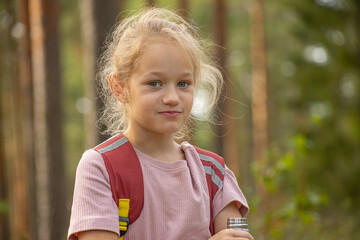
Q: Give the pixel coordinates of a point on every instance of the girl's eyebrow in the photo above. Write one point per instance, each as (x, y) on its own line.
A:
(156, 73)
(185, 74)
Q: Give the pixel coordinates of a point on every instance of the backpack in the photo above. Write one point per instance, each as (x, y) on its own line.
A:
(127, 182)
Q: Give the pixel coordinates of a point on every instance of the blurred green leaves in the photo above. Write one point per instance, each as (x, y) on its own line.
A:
(289, 198)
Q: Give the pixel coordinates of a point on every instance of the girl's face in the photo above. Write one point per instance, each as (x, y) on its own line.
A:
(161, 89)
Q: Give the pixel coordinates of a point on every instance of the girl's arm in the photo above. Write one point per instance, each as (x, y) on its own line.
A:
(97, 234)
(230, 211)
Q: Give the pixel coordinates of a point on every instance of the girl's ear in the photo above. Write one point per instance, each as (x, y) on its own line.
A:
(118, 88)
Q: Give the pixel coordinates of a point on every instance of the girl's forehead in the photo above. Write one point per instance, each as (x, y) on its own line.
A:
(160, 41)
(159, 45)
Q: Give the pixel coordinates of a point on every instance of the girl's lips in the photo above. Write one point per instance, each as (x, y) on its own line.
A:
(170, 113)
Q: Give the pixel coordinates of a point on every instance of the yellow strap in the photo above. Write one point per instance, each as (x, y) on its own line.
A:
(124, 207)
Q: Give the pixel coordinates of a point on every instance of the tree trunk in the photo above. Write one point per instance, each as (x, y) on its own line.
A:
(259, 80)
(220, 57)
(12, 136)
(97, 18)
(26, 107)
(50, 177)
(259, 90)
(226, 140)
(4, 183)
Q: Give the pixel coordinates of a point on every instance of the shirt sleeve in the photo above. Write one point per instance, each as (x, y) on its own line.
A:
(229, 192)
(93, 206)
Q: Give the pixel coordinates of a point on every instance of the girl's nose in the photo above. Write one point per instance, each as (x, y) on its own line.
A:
(170, 96)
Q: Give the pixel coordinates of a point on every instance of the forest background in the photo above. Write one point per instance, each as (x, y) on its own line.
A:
(290, 121)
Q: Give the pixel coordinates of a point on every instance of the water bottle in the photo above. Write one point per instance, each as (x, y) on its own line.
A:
(238, 224)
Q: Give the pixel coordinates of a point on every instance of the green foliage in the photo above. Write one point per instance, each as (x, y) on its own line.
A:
(311, 182)
(290, 201)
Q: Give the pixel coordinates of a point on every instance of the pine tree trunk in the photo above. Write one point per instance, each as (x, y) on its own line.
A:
(97, 17)
(26, 107)
(50, 177)
(226, 140)
(259, 80)
(12, 136)
(4, 183)
(259, 90)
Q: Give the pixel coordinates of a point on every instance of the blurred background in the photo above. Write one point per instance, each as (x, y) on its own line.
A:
(290, 121)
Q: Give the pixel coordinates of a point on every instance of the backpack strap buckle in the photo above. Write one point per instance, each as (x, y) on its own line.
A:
(123, 225)
(124, 221)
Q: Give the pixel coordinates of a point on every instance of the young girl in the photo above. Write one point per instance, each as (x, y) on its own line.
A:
(152, 68)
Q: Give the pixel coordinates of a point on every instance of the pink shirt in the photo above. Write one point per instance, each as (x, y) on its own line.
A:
(176, 198)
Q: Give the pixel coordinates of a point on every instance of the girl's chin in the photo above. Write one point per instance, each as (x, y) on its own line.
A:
(170, 130)
(166, 129)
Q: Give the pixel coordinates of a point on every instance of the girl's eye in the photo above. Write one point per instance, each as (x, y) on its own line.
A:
(154, 84)
(183, 84)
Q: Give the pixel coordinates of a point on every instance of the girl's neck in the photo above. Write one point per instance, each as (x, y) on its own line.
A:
(158, 146)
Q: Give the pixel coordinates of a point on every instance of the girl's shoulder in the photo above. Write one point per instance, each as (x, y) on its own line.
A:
(207, 156)
(90, 156)
(91, 164)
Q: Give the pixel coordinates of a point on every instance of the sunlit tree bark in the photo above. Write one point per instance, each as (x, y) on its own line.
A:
(259, 79)
(259, 90)
(15, 162)
(26, 102)
(4, 183)
(50, 178)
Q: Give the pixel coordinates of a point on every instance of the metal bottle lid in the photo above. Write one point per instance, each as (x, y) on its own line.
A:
(237, 223)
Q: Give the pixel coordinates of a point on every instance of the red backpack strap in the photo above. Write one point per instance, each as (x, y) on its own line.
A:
(214, 167)
(126, 179)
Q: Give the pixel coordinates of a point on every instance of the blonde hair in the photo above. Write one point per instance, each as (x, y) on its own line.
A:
(124, 47)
